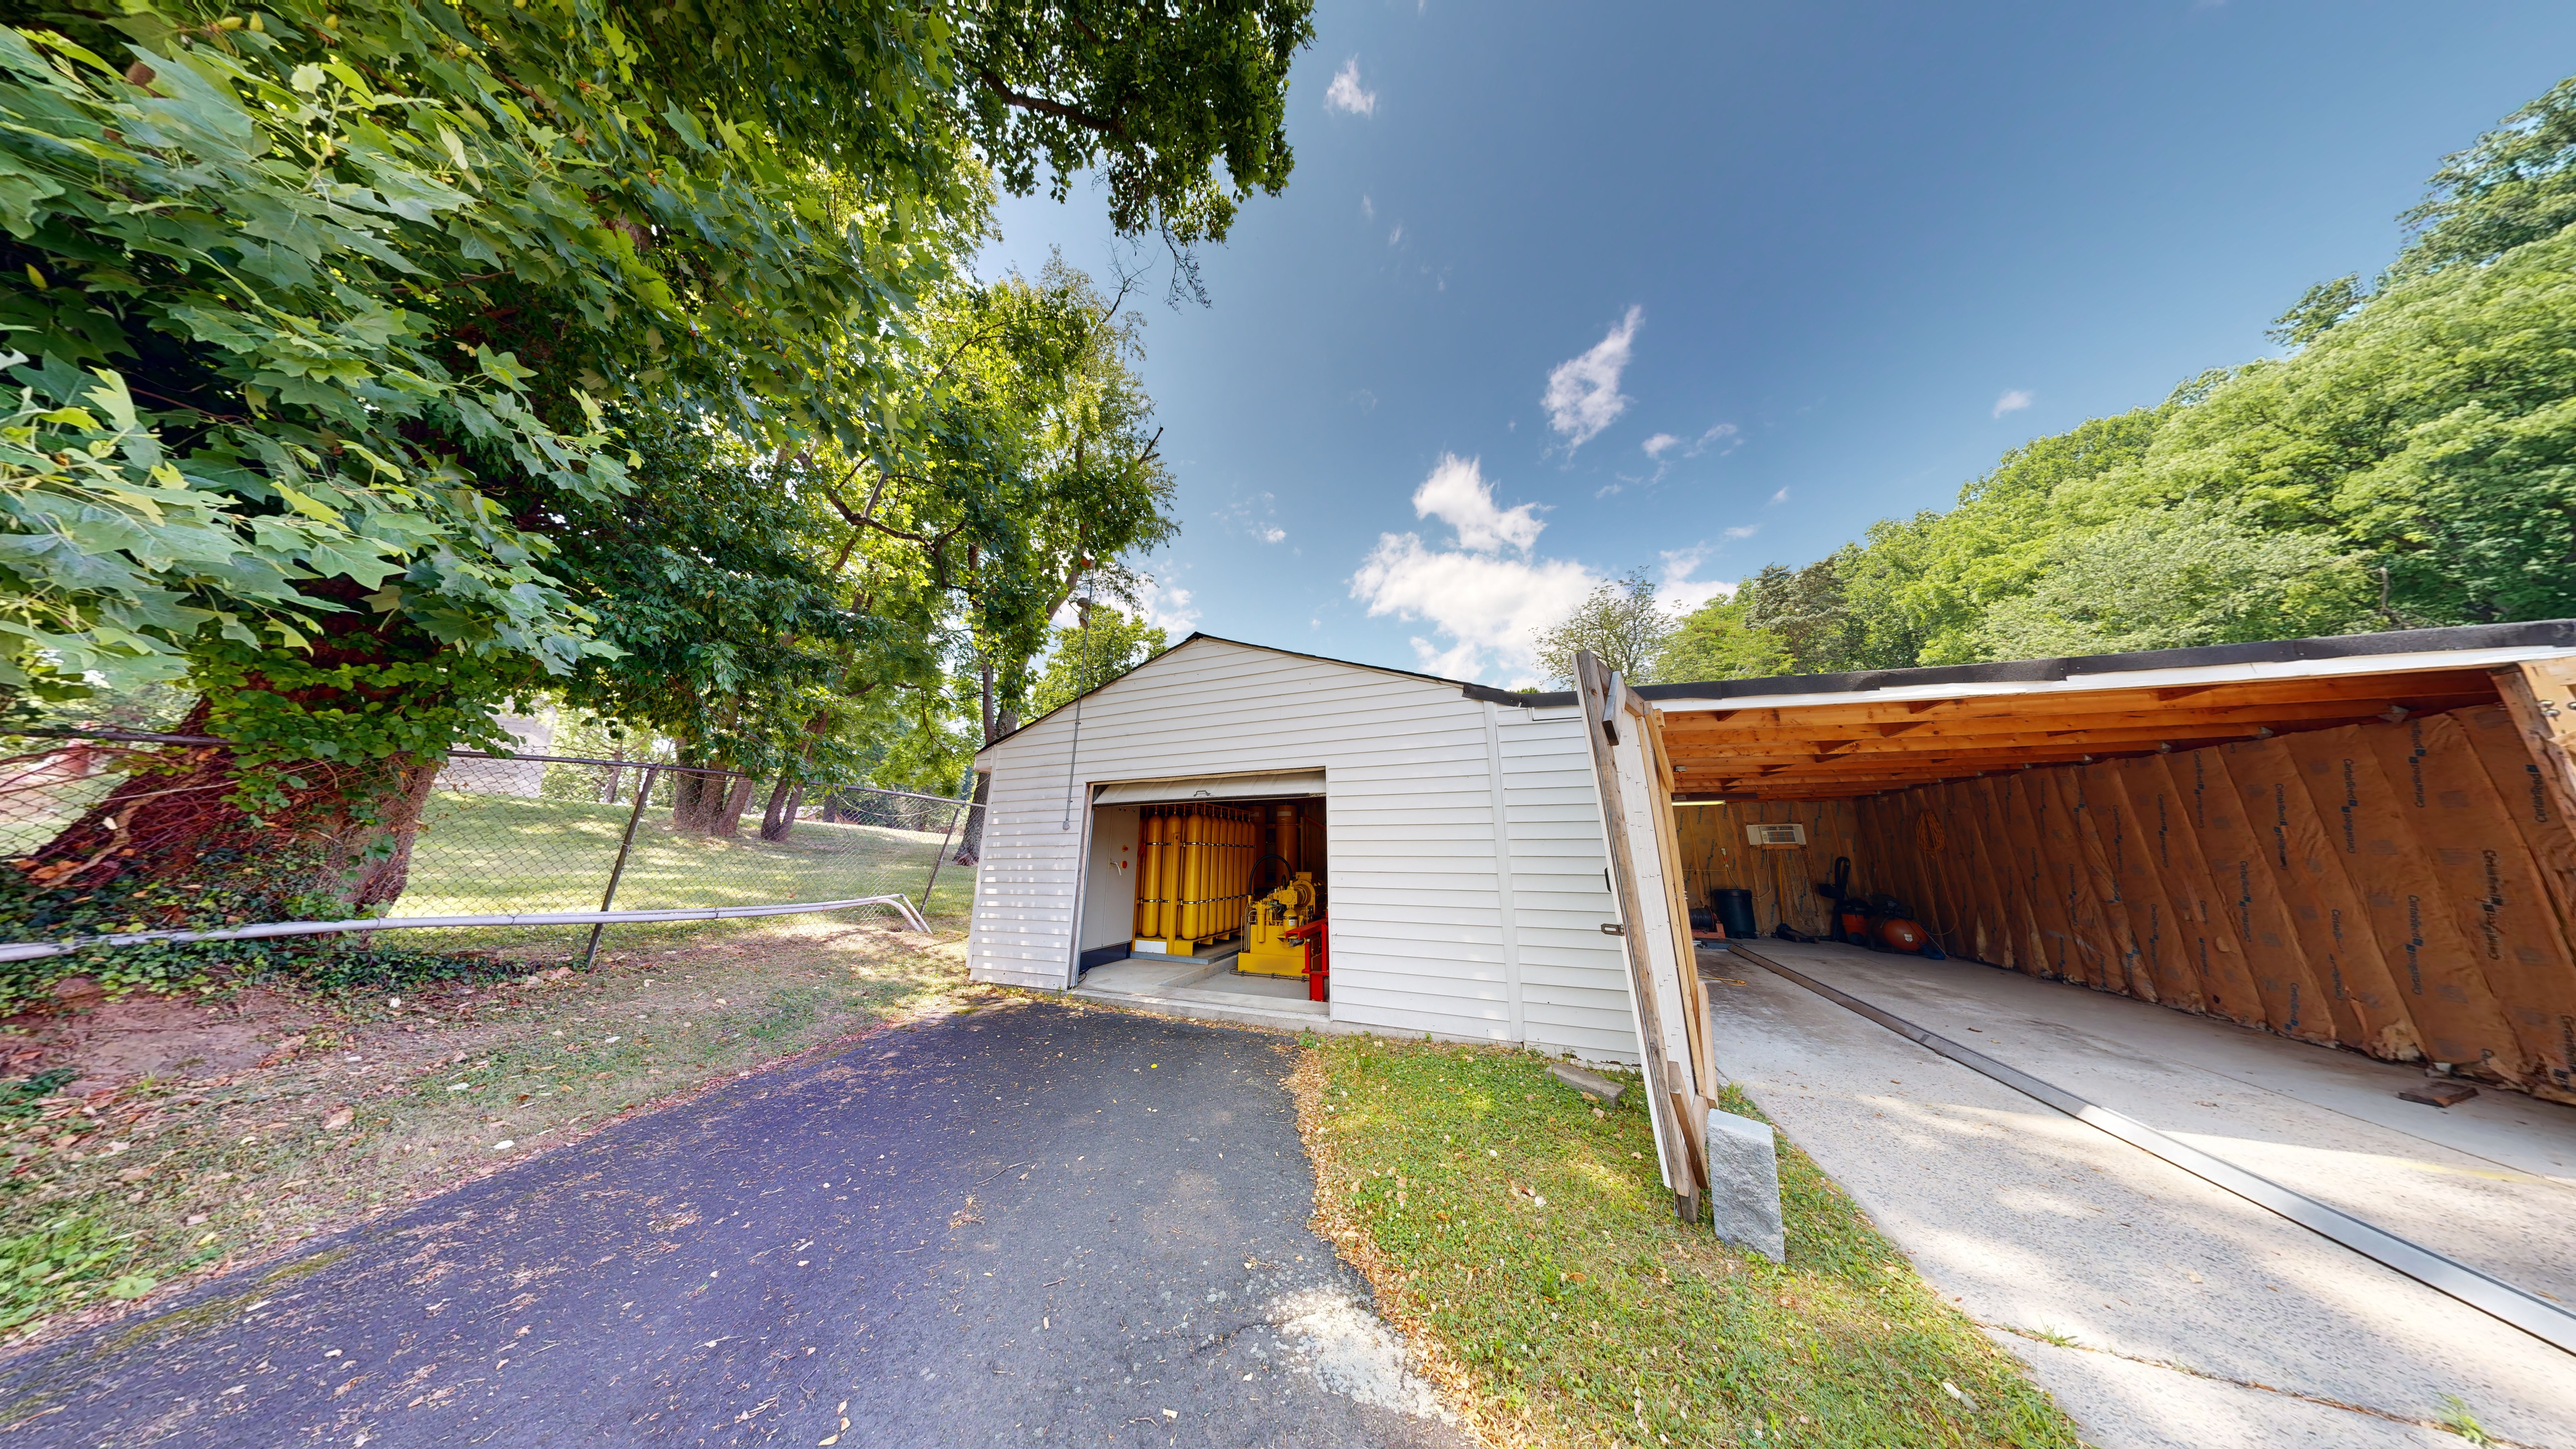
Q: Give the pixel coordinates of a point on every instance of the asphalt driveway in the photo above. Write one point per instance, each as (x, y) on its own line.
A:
(1025, 1224)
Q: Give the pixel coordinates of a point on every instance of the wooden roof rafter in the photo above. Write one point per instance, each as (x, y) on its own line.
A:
(1836, 748)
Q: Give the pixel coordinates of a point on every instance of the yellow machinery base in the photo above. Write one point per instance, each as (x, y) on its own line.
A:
(1254, 962)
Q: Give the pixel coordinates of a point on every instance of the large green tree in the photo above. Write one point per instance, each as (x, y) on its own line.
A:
(329, 313)
(1100, 645)
(1621, 621)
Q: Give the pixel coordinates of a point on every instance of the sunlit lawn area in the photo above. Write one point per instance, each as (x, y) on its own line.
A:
(482, 854)
(487, 853)
(1527, 1237)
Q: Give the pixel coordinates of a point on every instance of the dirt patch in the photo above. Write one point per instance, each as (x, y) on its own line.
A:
(110, 1044)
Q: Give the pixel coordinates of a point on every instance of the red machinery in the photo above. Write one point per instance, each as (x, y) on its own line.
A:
(1319, 957)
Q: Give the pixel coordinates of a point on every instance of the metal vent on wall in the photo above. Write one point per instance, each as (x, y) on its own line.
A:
(1791, 833)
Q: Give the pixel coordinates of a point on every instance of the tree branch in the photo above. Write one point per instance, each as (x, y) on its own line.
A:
(1089, 122)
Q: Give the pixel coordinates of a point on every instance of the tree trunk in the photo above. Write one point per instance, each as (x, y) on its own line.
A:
(330, 839)
(696, 797)
(970, 841)
(780, 818)
(727, 799)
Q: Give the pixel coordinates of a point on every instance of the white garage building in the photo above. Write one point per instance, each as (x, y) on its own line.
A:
(1455, 830)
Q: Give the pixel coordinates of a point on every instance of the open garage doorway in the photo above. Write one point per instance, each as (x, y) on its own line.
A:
(1204, 893)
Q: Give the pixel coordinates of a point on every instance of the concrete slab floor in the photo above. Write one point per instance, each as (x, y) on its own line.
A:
(2042, 1228)
(2490, 1182)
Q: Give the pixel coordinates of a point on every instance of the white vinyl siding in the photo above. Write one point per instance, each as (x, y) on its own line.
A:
(1574, 981)
(1416, 889)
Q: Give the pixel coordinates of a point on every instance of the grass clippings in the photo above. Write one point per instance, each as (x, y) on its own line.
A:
(376, 1102)
(1522, 1238)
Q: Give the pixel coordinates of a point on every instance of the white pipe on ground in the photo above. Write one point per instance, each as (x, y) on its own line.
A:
(31, 950)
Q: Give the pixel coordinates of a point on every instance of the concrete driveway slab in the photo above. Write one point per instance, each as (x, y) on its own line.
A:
(2490, 1182)
(2038, 1226)
(1022, 1225)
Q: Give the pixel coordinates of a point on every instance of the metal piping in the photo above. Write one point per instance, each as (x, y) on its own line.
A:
(31, 950)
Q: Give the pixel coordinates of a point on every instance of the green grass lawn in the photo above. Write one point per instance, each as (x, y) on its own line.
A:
(1526, 1236)
(479, 853)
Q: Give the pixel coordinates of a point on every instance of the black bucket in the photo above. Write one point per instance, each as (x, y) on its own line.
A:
(1734, 911)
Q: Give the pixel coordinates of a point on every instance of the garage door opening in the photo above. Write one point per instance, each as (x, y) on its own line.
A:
(1205, 891)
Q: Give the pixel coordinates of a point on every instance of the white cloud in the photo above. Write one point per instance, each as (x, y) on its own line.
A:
(1486, 605)
(1396, 237)
(1167, 608)
(1583, 392)
(1345, 94)
(2012, 402)
(1727, 433)
(1780, 497)
(1663, 443)
(1457, 494)
(1681, 593)
(1745, 530)
(1486, 602)
(1368, 209)
(1255, 515)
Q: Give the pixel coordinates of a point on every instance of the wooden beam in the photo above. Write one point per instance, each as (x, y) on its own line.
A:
(1687, 738)
(1954, 762)
(1958, 745)
(2402, 688)
(1654, 1064)
(2541, 696)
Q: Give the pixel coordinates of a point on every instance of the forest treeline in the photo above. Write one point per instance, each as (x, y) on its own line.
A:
(2409, 461)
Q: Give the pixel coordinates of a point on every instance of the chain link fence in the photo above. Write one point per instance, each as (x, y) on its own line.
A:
(503, 839)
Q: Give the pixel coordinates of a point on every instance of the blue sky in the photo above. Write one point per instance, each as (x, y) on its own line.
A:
(1561, 290)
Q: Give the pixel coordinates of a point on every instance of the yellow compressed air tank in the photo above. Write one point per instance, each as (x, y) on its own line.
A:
(1149, 877)
(1193, 872)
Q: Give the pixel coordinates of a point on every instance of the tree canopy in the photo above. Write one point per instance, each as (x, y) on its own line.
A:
(304, 291)
(2409, 461)
(376, 362)
(1620, 621)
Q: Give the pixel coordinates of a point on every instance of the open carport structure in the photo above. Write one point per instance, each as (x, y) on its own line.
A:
(2359, 841)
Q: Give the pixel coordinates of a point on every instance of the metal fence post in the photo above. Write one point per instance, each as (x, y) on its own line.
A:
(608, 898)
(941, 856)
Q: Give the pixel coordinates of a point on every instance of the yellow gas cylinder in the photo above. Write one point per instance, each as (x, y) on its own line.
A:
(1272, 917)
(1150, 878)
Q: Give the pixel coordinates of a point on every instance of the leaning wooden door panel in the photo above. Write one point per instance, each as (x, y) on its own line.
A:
(1620, 785)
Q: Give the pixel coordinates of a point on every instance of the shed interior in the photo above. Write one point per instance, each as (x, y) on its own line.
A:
(2377, 861)
(1178, 880)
